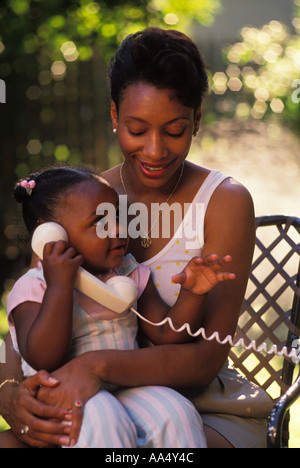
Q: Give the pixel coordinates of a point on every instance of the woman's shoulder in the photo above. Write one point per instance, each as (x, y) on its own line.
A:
(234, 192)
(230, 204)
(225, 185)
(227, 195)
(113, 177)
(196, 173)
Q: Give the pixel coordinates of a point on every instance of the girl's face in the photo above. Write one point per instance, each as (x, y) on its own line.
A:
(155, 132)
(77, 214)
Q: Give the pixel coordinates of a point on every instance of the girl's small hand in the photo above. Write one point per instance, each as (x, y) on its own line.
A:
(60, 264)
(201, 275)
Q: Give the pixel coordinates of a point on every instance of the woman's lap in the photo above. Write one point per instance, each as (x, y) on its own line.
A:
(141, 417)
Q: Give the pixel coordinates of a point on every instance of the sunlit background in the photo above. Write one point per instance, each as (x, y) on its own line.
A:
(54, 56)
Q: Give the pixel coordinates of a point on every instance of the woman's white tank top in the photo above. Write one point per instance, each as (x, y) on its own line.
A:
(187, 242)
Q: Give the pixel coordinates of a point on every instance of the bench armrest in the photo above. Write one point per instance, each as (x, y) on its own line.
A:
(274, 436)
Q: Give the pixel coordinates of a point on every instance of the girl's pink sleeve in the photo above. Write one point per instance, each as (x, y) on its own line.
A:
(141, 276)
(26, 289)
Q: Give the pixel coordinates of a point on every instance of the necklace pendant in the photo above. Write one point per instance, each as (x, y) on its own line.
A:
(146, 242)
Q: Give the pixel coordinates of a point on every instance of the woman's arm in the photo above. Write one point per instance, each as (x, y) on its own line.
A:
(19, 407)
(196, 280)
(10, 370)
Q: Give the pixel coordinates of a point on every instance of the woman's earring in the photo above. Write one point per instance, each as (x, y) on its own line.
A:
(196, 133)
(115, 130)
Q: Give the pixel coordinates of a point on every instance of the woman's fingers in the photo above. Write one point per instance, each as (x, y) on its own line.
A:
(41, 378)
(36, 423)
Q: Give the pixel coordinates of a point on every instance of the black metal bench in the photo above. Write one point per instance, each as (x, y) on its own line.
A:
(271, 314)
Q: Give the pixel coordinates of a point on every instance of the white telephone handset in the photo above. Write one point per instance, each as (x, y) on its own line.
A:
(118, 293)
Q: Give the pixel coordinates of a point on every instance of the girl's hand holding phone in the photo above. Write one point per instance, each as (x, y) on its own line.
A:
(60, 264)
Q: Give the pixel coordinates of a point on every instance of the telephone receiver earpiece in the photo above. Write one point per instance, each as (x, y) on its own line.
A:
(119, 293)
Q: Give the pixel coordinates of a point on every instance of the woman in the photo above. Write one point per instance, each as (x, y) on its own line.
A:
(158, 81)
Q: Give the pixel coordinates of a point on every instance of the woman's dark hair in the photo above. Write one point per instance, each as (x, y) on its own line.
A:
(166, 59)
(41, 202)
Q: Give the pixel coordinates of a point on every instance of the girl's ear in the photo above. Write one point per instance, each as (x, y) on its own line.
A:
(114, 115)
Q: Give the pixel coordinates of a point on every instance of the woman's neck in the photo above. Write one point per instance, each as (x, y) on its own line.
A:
(137, 191)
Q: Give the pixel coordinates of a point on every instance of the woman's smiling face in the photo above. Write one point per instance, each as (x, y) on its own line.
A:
(155, 132)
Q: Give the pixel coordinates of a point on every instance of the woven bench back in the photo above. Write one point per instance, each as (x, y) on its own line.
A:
(271, 308)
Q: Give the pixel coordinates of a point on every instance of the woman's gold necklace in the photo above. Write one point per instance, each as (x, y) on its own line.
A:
(146, 240)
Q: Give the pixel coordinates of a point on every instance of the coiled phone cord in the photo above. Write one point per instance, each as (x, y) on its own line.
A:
(294, 354)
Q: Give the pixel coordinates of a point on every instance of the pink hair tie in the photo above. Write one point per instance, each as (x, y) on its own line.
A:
(28, 185)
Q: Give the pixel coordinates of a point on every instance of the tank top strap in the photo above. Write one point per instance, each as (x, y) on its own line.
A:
(207, 189)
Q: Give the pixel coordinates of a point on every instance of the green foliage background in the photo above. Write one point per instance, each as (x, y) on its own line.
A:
(54, 56)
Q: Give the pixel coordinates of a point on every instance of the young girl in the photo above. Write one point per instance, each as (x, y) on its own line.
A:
(51, 323)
